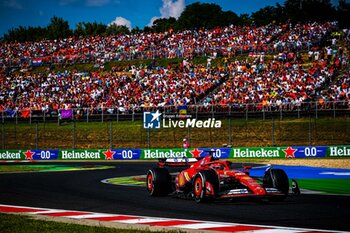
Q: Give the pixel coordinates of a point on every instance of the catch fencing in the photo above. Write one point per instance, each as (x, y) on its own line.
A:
(241, 125)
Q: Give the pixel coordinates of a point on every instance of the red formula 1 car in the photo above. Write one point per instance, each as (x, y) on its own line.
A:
(208, 179)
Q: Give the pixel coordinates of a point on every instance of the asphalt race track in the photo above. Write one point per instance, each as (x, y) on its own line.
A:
(83, 191)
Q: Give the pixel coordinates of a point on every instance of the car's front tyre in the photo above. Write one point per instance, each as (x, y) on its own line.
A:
(278, 179)
(158, 182)
(205, 186)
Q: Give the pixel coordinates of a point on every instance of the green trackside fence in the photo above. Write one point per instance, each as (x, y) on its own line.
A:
(125, 134)
(243, 125)
(285, 152)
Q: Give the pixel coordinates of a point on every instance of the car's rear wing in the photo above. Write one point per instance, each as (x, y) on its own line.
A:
(177, 162)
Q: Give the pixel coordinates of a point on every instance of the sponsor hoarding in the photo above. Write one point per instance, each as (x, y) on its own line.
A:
(338, 151)
(154, 154)
(29, 154)
(102, 154)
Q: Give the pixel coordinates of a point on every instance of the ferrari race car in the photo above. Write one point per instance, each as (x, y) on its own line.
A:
(208, 179)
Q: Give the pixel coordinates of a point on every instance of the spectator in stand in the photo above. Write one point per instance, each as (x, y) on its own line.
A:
(273, 83)
(97, 90)
(269, 84)
(203, 42)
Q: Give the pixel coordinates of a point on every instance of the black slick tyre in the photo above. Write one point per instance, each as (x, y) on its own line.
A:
(278, 179)
(158, 182)
(199, 186)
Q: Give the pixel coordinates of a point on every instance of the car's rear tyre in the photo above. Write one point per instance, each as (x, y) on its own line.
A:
(205, 186)
(158, 182)
(278, 179)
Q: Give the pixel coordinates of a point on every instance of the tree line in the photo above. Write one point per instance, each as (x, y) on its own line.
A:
(195, 16)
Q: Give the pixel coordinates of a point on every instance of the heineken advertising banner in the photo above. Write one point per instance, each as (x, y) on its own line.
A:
(310, 151)
(256, 152)
(84, 155)
(338, 151)
(118, 154)
(220, 153)
(279, 152)
(102, 154)
(165, 153)
(154, 154)
(11, 155)
(29, 154)
(189, 153)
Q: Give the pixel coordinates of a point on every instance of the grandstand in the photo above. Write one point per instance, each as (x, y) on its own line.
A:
(244, 72)
(284, 80)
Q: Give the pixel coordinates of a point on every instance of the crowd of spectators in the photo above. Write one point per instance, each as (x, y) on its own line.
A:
(285, 82)
(137, 87)
(270, 84)
(299, 35)
(262, 84)
(339, 90)
(226, 41)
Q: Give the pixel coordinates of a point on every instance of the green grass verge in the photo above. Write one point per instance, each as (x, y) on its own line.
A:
(10, 223)
(129, 180)
(332, 186)
(48, 168)
(19, 168)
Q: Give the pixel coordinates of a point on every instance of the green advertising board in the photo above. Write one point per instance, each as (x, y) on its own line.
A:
(11, 155)
(81, 155)
(258, 152)
(151, 154)
(338, 151)
(282, 152)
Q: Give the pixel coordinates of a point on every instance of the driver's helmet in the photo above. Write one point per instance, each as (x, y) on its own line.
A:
(217, 166)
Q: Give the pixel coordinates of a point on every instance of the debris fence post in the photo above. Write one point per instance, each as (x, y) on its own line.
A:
(149, 137)
(273, 131)
(3, 135)
(189, 135)
(110, 133)
(230, 127)
(73, 133)
(310, 130)
(36, 134)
